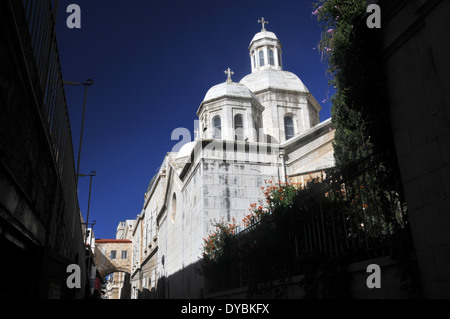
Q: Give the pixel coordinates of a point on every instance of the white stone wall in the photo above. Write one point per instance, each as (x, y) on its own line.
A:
(227, 108)
(316, 154)
(278, 104)
(212, 190)
(230, 188)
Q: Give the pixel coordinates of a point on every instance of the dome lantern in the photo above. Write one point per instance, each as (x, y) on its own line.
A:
(265, 50)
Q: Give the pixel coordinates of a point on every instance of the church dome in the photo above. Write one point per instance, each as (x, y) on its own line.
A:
(273, 79)
(264, 35)
(228, 89)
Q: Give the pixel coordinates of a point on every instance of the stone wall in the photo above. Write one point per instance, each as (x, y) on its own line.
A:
(211, 190)
(36, 216)
(103, 261)
(418, 76)
(292, 287)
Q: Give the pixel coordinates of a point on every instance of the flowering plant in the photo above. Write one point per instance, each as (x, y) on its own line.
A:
(280, 194)
(276, 194)
(214, 244)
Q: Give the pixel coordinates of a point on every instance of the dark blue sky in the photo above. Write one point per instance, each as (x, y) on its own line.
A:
(152, 63)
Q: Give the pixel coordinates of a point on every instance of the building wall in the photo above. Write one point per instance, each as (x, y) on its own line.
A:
(105, 263)
(357, 285)
(136, 257)
(314, 152)
(40, 226)
(211, 191)
(418, 76)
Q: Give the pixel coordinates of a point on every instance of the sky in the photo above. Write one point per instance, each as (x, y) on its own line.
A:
(152, 63)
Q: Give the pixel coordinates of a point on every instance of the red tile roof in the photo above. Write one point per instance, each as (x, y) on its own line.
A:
(115, 241)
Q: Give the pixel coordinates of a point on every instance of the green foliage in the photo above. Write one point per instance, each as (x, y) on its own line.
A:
(352, 52)
(277, 195)
(213, 245)
(215, 259)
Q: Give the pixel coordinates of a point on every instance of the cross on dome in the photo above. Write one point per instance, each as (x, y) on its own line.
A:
(263, 22)
(229, 73)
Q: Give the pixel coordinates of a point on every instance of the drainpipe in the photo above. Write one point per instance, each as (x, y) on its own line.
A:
(282, 165)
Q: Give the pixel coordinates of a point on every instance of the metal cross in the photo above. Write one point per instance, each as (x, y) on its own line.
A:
(229, 73)
(263, 22)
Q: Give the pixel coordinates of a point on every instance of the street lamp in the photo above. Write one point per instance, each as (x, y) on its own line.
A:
(89, 82)
(92, 232)
(89, 199)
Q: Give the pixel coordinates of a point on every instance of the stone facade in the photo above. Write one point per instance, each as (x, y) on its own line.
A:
(418, 73)
(40, 222)
(112, 255)
(118, 284)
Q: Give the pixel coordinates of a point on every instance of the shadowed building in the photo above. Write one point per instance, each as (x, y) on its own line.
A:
(417, 69)
(40, 220)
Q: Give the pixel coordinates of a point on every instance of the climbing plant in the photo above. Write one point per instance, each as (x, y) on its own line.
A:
(360, 114)
(360, 108)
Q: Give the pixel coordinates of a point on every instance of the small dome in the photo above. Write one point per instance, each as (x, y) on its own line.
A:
(273, 79)
(228, 89)
(264, 34)
(185, 150)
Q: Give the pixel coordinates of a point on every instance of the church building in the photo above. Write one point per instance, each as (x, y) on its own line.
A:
(264, 127)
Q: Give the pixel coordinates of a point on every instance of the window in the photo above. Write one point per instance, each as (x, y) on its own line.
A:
(254, 61)
(217, 128)
(257, 129)
(124, 254)
(261, 58)
(174, 207)
(113, 254)
(238, 128)
(289, 127)
(279, 58)
(271, 59)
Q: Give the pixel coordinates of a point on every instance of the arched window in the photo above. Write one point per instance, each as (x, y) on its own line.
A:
(174, 207)
(271, 58)
(217, 128)
(256, 123)
(289, 127)
(261, 58)
(238, 127)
